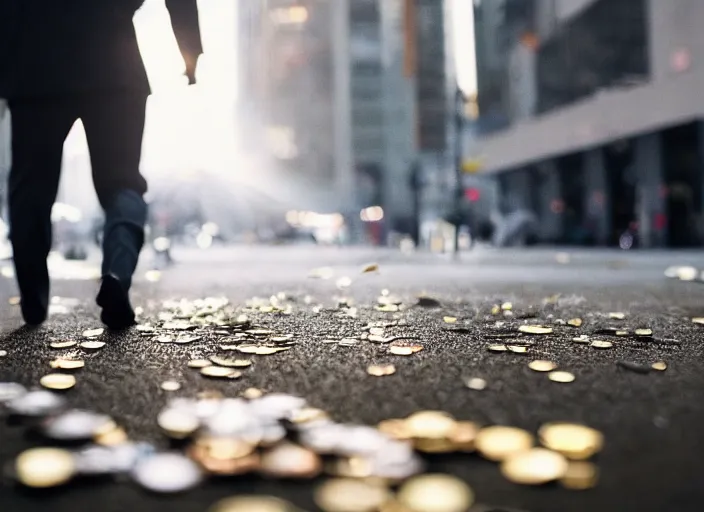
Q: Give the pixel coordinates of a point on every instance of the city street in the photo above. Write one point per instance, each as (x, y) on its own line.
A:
(651, 419)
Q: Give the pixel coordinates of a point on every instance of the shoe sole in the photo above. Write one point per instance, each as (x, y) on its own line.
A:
(117, 310)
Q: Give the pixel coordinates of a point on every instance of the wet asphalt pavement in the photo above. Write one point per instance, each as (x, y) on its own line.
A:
(653, 459)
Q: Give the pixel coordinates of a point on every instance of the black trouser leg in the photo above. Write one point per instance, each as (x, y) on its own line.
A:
(39, 129)
(114, 127)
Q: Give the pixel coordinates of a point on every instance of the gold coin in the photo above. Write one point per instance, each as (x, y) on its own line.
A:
(404, 351)
(67, 364)
(575, 322)
(431, 424)
(92, 345)
(92, 333)
(252, 504)
(506, 306)
(436, 493)
(252, 393)
(170, 385)
(621, 333)
(644, 332)
(396, 428)
(699, 320)
(308, 415)
(350, 495)
(601, 344)
(449, 319)
(218, 372)
(535, 329)
(381, 371)
(45, 467)
(660, 366)
(58, 381)
(497, 348)
(177, 424)
(574, 441)
(518, 349)
(617, 316)
(542, 366)
(114, 437)
(499, 442)
(534, 467)
(290, 461)
(580, 476)
(463, 436)
(199, 363)
(63, 344)
(581, 339)
(563, 377)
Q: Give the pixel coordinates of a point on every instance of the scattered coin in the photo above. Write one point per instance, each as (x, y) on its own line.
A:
(660, 366)
(63, 344)
(10, 391)
(404, 351)
(199, 363)
(499, 442)
(178, 423)
(34, 403)
(601, 344)
(252, 393)
(252, 504)
(506, 306)
(164, 338)
(497, 348)
(535, 329)
(350, 495)
(93, 333)
(574, 441)
(542, 366)
(381, 371)
(218, 372)
(476, 383)
(170, 385)
(580, 476)
(92, 345)
(166, 473)
(699, 320)
(643, 332)
(463, 436)
(231, 363)
(75, 425)
(3, 353)
(44, 467)
(617, 316)
(563, 377)
(291, 461)
(260, 351)
(436, 493)
(621, 333)
(518, 349)
(449, 319)
(67, 364)
(536, 466)
(182, 340)
(58, 381)
(575, 322)
(583, 338)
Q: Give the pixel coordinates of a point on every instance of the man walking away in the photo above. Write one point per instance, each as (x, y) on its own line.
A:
(61, 61)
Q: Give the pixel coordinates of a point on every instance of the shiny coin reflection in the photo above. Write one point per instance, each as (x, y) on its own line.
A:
(535, 329)
(167, 473)
(170, 385)
(476, 384)
(58, 381)
(92, 345)
(44, 467)
(436, 493)
(542, 366)
(660, 366)
(67, 364)
(178, 423)
(289, 461)
(572, 440)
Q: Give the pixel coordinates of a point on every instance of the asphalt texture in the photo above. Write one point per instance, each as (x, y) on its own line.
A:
(653, 459)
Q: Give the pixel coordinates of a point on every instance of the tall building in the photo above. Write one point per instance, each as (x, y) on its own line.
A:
(594, 122)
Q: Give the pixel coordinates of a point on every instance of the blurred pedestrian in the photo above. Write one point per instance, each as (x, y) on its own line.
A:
(63, 61)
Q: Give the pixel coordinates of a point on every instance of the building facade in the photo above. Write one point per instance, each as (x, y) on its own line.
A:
(595, 125)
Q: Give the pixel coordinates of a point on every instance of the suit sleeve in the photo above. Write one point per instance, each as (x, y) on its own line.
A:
(184, 20)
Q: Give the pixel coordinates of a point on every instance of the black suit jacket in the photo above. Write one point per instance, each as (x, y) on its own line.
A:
(59, 47)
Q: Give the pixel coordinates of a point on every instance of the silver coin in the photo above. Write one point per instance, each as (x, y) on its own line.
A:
(36, 403)
(167, 473)
(272, 433)
(74, 425)
(276, 406)
(10, 391)
(108, 460)
(360, 440)
(324, 438)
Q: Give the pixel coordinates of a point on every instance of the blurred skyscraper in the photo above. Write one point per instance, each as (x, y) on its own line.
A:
(591, 117)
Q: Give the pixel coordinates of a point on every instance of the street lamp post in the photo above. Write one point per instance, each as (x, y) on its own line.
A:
(459, 156)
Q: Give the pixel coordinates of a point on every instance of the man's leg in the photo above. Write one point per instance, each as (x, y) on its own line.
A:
(39, 129)
(114, 127)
